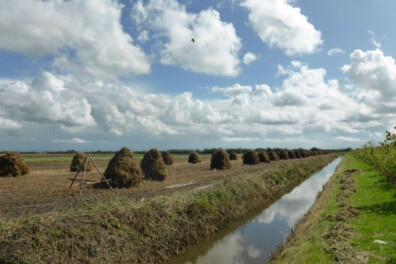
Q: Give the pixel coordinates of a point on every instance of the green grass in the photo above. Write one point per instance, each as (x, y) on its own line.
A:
(376, 199)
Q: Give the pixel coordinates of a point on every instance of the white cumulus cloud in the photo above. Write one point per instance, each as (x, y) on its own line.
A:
(45, 100)
(335, 51)
(249, 58)
(348, 139)
(215, 47)
(74, 140)
(373, 73)
(86, 37)
(281, 25)
(304, 102)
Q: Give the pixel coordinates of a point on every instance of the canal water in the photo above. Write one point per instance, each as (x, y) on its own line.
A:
(253, 240)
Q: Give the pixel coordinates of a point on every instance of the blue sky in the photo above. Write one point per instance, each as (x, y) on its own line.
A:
(102, 74)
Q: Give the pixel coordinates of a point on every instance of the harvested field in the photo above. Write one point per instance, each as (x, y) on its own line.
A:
(47, 187)
(151, 230)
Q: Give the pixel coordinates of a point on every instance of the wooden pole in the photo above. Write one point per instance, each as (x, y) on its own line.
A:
(85, 168)
(74, 178)
(100, 172)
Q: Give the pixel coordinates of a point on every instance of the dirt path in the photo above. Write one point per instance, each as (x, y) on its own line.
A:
(46, 188)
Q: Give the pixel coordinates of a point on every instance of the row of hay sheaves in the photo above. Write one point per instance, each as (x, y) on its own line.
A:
(124, 171)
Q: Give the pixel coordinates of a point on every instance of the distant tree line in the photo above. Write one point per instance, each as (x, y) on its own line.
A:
(188, 151)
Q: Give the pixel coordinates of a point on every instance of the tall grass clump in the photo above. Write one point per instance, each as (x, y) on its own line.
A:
(250, 157)
(167, 157)
(77, 163)
(12, 165)
(194, 158)
(153, 166)
(123, 170)
(220, 160)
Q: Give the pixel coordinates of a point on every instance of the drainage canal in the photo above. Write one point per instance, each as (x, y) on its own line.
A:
(253, 240)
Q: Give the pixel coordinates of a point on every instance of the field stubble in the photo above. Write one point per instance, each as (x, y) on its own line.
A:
(46, 188)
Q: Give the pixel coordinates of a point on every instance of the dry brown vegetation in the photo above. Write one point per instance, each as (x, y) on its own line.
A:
(263, 157)
(194, 158)
(220, 160)
(12, 165)
(251, 158)
(77, 163)
(153, 166)
(233, 155)
(273, 156)
(125, 230)
(167, 157)
(47, 186)
(123, 170)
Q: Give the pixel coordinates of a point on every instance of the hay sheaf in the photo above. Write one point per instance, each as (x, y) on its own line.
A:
(194, 158)
(12, 165)
(233, 155)
(283, 155)
(273, 156)
(263, 157)
(167, 158)
(123, 170)
(291, 154)
(251, 158)
(297, 154)
(220, 160)
(77, 163)
(153, 166)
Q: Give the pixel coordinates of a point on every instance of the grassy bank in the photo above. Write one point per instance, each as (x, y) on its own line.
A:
(150, 230)
(352, 221)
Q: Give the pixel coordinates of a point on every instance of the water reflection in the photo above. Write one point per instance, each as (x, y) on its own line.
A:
(253, 241)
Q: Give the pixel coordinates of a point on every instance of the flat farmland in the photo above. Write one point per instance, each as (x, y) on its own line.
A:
(46, 188)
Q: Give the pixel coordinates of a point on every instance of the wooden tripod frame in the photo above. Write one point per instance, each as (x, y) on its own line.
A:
(88, 156)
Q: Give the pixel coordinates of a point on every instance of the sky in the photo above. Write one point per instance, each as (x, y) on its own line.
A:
(100, 74)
